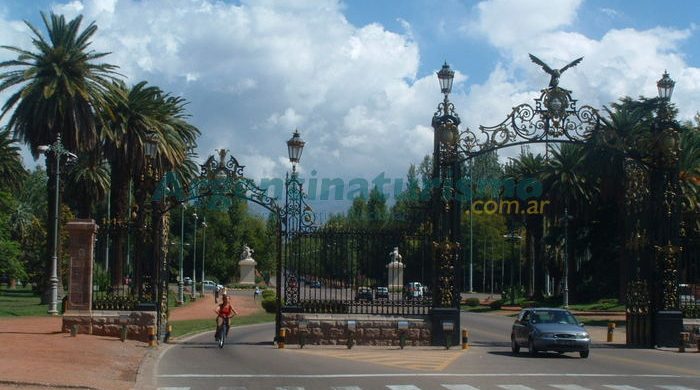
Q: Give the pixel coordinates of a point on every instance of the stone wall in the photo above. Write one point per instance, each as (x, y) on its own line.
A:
(109, 323)
(331, 329)
(692, 326)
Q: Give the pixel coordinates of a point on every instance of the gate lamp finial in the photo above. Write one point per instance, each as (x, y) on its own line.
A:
(665, 86)
(295, 146)
(446, 76)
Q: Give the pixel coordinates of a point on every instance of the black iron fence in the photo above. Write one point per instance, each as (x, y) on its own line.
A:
(114, 298)
(330, 271)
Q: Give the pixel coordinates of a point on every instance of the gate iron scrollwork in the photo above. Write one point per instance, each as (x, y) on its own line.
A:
(554, 118)
(299, 219)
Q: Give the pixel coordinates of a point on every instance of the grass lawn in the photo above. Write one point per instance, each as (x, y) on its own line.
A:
(186, 327)
(21, 301)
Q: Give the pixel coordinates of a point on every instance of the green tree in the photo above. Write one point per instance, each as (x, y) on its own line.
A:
(57, 88)
(11, 169)
(140, 114)
(531, 167)
(376, 208)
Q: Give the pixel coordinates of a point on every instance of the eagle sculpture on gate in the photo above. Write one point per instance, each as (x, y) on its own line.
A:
(555, 73)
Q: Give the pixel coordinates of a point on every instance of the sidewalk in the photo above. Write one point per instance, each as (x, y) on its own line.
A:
(36, 355)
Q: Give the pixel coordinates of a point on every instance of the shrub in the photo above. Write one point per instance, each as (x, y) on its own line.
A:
(472, 302)
(268, 293)
(270, 304)
(496, 304)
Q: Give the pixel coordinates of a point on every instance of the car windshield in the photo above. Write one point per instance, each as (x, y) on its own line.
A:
(552, 317)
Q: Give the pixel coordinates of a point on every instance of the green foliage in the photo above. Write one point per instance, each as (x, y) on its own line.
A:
(270, 304)
(268, 293)
(100, 277)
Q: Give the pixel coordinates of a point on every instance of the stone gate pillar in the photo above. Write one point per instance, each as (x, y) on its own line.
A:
(81, 250)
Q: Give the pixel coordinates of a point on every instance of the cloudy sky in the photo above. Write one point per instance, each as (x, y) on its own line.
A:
(357, 77)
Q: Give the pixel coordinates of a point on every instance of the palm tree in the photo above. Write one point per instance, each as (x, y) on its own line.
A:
(139, 114)
(565, 178)
(528, 166)
(11, 170)
(59, 86)
(88, 182)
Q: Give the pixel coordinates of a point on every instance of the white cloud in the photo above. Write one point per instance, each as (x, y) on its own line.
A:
(506, 22)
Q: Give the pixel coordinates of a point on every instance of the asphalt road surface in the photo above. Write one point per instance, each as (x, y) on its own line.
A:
(251, 361)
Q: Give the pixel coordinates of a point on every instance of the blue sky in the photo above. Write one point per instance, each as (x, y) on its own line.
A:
(357, 78)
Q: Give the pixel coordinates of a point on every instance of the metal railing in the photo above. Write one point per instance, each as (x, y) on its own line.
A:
(330, 271)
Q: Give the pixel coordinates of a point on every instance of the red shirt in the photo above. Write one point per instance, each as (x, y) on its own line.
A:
(225, 311)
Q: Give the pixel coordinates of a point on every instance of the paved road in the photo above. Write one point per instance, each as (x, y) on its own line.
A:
(252, 362)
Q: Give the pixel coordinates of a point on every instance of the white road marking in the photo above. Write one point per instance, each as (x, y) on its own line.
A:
(289, 388)
(675, 387)
(232, 388)
(459, 387)
(622, 387)
(515, 387)
(402, 387)
(570, 387)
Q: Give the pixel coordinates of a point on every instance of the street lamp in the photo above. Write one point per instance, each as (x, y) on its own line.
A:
(295, 146)
(180, 279)
(194, 259)
(204, 248)
(513, 238)
(566, 258)
(665, 86)
(58, 150)
(445, 77)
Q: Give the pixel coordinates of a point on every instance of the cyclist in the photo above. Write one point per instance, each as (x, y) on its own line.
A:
(224, 311)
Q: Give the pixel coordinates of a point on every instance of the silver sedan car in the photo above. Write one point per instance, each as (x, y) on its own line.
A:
(547, 329)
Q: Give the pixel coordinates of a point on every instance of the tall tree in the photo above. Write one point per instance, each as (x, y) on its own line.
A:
(11, 169)
(59, 86)
(140, 114)
(531, 167)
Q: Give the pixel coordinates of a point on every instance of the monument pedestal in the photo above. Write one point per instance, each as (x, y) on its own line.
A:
(247, 271)
(395, 280)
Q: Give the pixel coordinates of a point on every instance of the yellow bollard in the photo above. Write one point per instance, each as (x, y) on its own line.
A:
(168, 333)
(465, 339)
(685, 336)
(152, 336)
(611, 330)
(280, 339)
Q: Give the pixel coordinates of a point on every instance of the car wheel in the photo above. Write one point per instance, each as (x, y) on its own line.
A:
(531, 348)
(584, 354)
(514, 345)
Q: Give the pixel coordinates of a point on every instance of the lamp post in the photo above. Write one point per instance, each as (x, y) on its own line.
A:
(566, 258)
(58, 151)
(293, 210)
(180, 279)
(513, 238)
(204, 248)
(194, 259)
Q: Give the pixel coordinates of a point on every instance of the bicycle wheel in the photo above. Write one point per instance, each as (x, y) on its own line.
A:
(222, 335)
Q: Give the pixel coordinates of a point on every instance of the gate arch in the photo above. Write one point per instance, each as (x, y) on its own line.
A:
(220, 179)
(555, 118)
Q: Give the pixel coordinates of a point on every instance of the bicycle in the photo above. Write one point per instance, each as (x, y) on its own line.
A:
(222, 331)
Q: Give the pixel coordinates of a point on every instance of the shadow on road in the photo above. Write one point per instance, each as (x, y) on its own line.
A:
(540, 355)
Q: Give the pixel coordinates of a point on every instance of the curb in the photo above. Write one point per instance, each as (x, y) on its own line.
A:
(47, 385)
